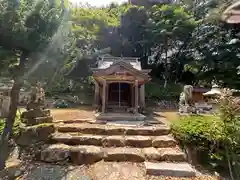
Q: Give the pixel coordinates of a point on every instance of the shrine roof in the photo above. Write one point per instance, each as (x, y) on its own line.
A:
(86, 67)
(106, 64)
(106, 61)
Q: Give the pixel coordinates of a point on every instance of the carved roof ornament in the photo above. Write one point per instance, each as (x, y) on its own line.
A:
(232, 14)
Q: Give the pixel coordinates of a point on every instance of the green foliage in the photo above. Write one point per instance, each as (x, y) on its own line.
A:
(41, 125)
(171, 20)
(28, 28)
(28, 24)
(177, 39)
(216, 135)
(87, 23)
(16, 127)
(155, 90)
(198, 130)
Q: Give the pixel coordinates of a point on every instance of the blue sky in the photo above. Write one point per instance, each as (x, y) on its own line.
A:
(98, 2)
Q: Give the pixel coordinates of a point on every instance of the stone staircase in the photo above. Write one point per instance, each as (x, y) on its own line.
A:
(86, 143)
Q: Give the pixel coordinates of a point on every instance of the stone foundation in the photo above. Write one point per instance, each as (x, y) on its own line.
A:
(34, 134)
(36, 116)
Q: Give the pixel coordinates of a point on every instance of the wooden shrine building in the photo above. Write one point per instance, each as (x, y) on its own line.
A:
(119, 84)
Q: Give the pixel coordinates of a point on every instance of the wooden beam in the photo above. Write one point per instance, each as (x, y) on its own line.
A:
(104, 97)
(142, 96)
(96, 95)
(136, 96)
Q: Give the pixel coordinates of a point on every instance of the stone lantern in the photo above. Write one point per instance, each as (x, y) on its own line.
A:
(215, 91)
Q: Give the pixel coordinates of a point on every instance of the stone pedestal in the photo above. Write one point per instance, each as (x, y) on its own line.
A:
(36, 116)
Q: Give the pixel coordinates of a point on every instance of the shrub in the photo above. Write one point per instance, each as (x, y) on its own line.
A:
(218, 135)
(198, 130)
(16, 125)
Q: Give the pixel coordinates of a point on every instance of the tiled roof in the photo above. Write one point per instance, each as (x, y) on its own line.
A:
(106, 64)
(107, 61)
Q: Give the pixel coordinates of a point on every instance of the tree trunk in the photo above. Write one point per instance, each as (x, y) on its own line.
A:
(9, 122)
(166, 73)
(165, 83)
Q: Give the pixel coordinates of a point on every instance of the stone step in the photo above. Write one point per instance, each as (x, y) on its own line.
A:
(120, 116)
(170, 169)
(35, 113)
(90, 154)
(114, 141)
(38, 120)
(124, 154)
(103, 129)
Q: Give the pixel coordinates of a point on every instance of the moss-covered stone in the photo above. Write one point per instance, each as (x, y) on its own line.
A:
(38, 120)
(34, 134)
(35, 113)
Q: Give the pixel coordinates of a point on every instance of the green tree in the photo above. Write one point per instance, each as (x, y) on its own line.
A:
(27, 28)
(215, 54)
(168, 27)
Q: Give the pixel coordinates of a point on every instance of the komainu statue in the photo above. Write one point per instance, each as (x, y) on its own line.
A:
(37, 97)
(185, 100)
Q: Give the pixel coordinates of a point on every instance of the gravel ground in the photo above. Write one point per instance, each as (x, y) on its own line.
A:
(98, 171)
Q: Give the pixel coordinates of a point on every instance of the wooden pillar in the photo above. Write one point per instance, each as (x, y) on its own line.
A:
(104, 96)
(96, 95)
(142, 95)
(107, 94)
(132, 96)
(136, 96)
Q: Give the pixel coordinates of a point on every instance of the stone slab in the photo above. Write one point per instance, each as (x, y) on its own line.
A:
(170, 169)
(163, 142)
(138, 141)
(30, 135)
(86, 139)
(124, 154)
(152, 154)
(86, 154)
(37, 120)
(120, 116)
(126, 122)
(83, 128)
(61, 138)
(148, 130)
(35, 113)
(114, 130)
(161, 130)
(55, 153)
(172, 154)
(101, 129)
(113, 141)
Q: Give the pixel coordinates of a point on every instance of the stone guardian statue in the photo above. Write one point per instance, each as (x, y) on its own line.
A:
(185, 104)
(37, 97)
